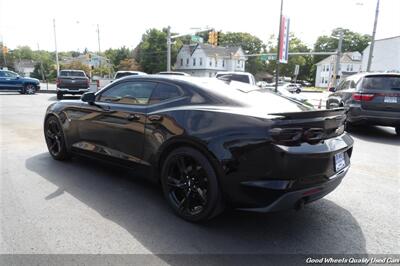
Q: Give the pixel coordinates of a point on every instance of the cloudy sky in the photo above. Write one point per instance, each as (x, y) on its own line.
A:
(26, 22)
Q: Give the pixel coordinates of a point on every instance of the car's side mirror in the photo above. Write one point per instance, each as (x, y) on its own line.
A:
(332, 89)
(88, 97)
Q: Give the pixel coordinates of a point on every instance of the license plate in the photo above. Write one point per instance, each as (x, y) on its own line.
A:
(390, 99)
(340, 162)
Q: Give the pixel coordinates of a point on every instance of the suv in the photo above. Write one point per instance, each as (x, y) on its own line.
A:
(11, 81)
(125, 73)
(294, 87)
(72, 82)
(244, 77)
(370, 98)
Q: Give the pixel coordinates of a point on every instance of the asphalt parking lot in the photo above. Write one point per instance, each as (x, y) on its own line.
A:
(82, 206)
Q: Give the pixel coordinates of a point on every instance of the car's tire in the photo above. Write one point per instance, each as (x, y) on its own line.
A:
(59, 95)
(397, 131)
(190, 185)
(29, 89)
(55, 139)
(298, 91)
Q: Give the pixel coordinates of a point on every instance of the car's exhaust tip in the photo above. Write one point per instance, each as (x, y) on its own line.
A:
(300, 204)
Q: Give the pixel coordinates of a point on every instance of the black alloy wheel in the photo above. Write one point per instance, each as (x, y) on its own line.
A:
(55, 139)
(190, 185)
(29, 89)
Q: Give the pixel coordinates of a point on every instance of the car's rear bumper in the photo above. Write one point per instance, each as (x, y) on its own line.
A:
(272, 177)
(73, 90)
(295, 199)
(356, 114)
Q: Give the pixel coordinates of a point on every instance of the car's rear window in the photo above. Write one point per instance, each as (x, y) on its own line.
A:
(249, 95)
(124, 74)
(235, 77)
(69, 73)
(381, 83)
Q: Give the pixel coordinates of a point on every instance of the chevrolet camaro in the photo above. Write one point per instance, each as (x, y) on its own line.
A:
(209, 143)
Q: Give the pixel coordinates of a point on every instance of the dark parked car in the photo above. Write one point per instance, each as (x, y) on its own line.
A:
(11, 81)
(370, 98)
(207, 143)
(72, 82)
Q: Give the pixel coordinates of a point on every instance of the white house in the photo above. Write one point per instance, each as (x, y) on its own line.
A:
(350, 63)
(386, 55)
(25, 67)
(205, 60)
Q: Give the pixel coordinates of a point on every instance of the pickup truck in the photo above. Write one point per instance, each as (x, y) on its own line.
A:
(71, 82)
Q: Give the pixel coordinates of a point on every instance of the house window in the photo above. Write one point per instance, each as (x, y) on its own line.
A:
(238, 62)
(348, 68)
(327, 68)
(223, 63)
(351, 67)
(181, 61)
(187, 61)
(323, 70)
(210, 64)
(216, 62)
(194, 61)
(201, 61)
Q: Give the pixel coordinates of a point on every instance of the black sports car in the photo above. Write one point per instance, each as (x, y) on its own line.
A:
(207, 142)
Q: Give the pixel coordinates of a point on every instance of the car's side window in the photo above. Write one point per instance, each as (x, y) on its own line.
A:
(10, 74)
(164, 92)
(2, 75)
(137, 93)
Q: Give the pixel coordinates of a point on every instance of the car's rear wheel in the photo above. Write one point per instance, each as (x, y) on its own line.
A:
(55, 139)
(29, 89)
(190, 185)
(298, 91)
(59, 95)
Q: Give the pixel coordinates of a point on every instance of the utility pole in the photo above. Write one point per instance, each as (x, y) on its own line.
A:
(338, 56)
(41, 63)
(98, 37)
(55, 44)
(278, 50)
(169, 48)
(371, 48)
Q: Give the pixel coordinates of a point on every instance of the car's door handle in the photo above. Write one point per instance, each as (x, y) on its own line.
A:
(133, 117)
(155, 118)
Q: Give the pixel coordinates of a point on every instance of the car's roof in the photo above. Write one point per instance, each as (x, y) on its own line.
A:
(233, 73)
(366, 74)
(129, 71)
(79, 70)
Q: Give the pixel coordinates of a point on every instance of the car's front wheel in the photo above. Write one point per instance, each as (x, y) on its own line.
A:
(55, 139)
(29, 89)
(190, 185)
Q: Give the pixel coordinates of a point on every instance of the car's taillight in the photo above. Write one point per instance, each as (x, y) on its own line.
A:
(363, 96)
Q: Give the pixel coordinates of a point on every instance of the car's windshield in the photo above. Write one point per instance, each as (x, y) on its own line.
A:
(381, 83)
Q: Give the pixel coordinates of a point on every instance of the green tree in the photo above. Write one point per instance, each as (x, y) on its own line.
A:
(129, 64)
(117, 55)
(152, 51)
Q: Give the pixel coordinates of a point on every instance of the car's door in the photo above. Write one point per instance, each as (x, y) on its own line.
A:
(12, 80)
(2, 80)
(114, 125)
